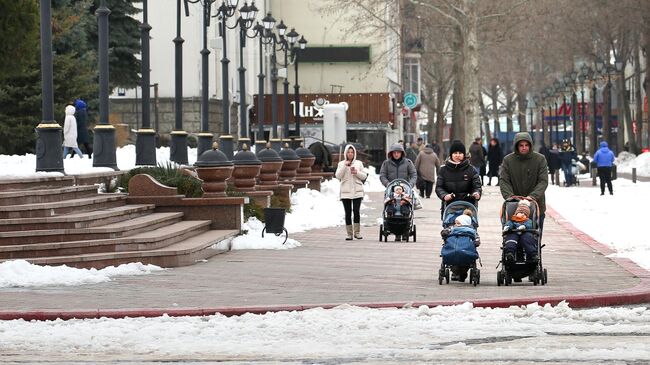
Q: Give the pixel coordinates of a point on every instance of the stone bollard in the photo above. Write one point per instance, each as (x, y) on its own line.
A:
(214, 168)
(634, 175)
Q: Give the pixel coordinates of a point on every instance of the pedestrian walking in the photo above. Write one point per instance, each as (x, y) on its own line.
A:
(427, 165)
(70, 132)
(352, 175)
(412, 152)
(458, 180)
(396, 166)
(494, 157)
(567, 155)
(524, 172)
(81, 115)
(604, 160)
(476, 156)
(553, 163)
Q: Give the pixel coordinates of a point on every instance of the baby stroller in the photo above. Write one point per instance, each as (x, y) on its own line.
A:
(521, 267)
(394, 222)
(459, 248)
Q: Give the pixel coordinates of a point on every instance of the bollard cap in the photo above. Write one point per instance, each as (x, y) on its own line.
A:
(245, 157)
(288, 154)
(268, 155)
(213, 158)
(303, 152)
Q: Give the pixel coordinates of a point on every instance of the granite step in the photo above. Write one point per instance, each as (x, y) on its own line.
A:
(41, 182)
(77, 220)
(149, 240)
(112, 230)
(35, 196)
(101, 201)
(186, 252)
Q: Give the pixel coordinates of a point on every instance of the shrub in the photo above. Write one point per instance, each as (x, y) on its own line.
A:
(167, 175)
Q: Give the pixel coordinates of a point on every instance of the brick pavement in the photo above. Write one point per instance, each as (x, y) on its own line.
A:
(327, 270)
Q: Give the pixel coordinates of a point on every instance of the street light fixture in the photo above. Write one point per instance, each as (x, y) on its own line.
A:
(288, 43)
(302, 44)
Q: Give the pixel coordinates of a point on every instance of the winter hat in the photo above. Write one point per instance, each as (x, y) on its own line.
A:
(464, 220)
(523, 207)
(457, 146)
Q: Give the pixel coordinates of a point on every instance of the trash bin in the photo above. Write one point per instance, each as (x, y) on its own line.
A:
(274, 222)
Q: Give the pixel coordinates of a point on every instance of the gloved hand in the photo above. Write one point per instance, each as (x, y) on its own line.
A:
(521, 227)
(506, 228)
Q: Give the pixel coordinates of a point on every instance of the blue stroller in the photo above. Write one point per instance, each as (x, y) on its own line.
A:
(459, 248)
(398, 219)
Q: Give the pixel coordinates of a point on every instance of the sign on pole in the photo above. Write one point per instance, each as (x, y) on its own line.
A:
(410, 100)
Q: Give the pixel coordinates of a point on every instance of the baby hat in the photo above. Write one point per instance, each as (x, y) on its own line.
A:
(523, 207)
(464, 220)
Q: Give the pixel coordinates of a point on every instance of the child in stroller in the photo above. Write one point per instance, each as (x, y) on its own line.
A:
(460, 237)
(399, 201)
(398, 211)
(521, 251)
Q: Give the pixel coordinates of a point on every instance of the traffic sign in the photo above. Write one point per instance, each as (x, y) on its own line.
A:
(410, 100)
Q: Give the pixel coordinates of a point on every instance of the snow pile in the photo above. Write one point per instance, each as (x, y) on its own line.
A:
(451, 334)
(253, 240)
(20, 273)
(598, 215)
(626, 161)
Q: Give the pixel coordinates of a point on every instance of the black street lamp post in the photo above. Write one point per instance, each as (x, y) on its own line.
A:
(49, 141)
(245, 21)
(594, 127)
(145, 145)
(268, 24)
(584, 71)
(601, 67)
(225, 11)
(287, 44)
(205, 137)
(276, 142)
(178, 150)
(302, 44)
(104, 132)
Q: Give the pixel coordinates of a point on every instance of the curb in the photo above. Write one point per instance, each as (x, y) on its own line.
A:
(635, 295)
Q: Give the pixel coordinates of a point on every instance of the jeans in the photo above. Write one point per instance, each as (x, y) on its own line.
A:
(352, 206)
(75, 149)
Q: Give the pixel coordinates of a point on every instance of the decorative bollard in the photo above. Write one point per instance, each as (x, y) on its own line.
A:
(247, 167)
(214, 168)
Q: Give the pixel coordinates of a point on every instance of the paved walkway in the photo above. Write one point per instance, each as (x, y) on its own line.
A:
(327, 271)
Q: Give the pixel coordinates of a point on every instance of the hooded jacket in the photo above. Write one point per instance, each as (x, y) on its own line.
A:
(70, 128)
(427, 164)
(604, 157)
(393, 169)
(351, 184)
(524, 175)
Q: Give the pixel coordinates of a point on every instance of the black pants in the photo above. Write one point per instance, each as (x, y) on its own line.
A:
(350, 206)
(605, 176)
(427, 190)
(526, 241)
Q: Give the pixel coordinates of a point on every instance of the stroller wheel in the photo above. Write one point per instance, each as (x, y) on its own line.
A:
(507, 279)
(381, 232)
(414, 234)
(441, 276)
(544, 277)
(499, 278)
(447, 276)
(477, 277)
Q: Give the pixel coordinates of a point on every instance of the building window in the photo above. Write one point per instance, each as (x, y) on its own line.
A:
(412, 75)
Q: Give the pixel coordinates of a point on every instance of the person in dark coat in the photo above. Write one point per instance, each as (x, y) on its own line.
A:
(524, 172)
(81, 114)
(553, 162)
(458, 180)
(567, 155)
(397, 166)
(322, 154)
(604, 160)
(495, 157)
(477, 156)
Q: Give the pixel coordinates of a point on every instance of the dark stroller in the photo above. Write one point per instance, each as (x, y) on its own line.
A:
(459, 248)
(394, 221)
(522, 266)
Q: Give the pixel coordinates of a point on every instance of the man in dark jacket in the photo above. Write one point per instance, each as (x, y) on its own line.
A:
(397, 166)
(524, 172)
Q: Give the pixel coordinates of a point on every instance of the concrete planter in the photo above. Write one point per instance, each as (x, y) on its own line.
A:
(214, 180)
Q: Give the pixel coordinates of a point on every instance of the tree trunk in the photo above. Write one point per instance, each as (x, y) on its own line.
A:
(457, 115)
(637, 94)
(522, 118)
(646, 81)
(509, 135)
(624, 108)
(470, 59)
(441, 123)
(607, 112)
(495, 111)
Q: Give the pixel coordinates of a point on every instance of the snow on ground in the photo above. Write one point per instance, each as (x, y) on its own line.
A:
(453, 333)
(20, 273)
(626, 161)
(609, 219)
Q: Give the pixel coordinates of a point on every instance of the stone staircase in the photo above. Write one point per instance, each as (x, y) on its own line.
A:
(52, 221)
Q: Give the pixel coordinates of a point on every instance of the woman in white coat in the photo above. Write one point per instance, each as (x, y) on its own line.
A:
(70, 132)
(352, 176)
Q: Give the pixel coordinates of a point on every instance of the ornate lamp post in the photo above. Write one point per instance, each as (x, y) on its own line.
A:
(205, 136)
(276, 143)
(48, 144)
(104, 141)
(584, 71)
(267, 24)
(601, 67)
(302, 44)
(594, 126)
(225, 11)
(288, 43)
(145, 144)
(178, 150)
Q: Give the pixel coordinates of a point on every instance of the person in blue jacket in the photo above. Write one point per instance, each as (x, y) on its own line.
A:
(604, 160)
